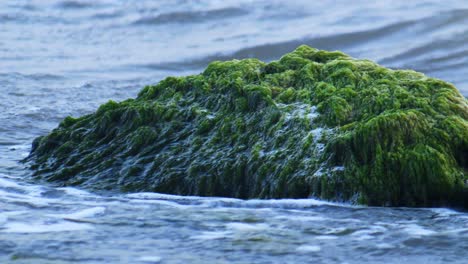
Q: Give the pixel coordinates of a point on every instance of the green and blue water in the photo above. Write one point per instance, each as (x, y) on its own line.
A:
(60, 58)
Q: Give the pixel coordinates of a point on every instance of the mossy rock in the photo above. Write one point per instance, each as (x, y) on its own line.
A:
(313, 124)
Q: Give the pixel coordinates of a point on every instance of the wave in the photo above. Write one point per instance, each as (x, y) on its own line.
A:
(108, 15)
(271, 51)
(444, 19)
(450, 45)
(35, 76)
(71, 4)
(188, 17)
(438, 46)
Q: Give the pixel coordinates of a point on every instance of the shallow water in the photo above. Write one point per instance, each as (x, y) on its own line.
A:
(60, 58)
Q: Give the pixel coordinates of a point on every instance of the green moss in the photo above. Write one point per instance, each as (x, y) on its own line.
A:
(287, 96)
(314, 123)
(335, 110)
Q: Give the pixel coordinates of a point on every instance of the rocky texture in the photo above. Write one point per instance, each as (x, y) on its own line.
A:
(314, 123)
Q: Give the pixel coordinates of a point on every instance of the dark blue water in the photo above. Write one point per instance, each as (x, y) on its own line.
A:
(60, 58)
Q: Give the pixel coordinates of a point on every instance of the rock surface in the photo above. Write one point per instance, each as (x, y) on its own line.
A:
(314, 123)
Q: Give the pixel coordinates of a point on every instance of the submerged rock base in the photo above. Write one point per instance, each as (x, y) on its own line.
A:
(314, 123)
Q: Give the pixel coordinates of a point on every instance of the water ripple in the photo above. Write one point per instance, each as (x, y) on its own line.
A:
(66, 57)
(189, 17)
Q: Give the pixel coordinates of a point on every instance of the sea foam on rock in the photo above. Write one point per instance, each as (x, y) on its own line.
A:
(314, 123)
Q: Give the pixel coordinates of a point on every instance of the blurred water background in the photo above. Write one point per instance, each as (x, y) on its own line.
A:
(66, 57)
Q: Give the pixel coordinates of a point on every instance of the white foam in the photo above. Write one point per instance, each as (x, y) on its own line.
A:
(20, 198)
(316, 133)
(302, 203)
(211, 235)
(86, 213)
(338, 168)
(369, 233)
(33, 109)
(35, 190)
(319, 173)
(150, 195)
(75, 192)
(326, 237)
(243, 227)
(320, 147)
(308, 248)
(417, 230)
(456, 231)
(444, 212)
(161, 202)
(299, 110)
(303, 218)
(270, 153)
(150, 259)
(32, 190)
(8, 184)
(384, 246)
(350, 220)
(39, 227)
(174, 200)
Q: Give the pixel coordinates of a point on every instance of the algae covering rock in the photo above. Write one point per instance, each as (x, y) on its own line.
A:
(312, 124)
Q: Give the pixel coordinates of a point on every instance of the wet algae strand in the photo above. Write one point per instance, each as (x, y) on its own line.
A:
(314, 123)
